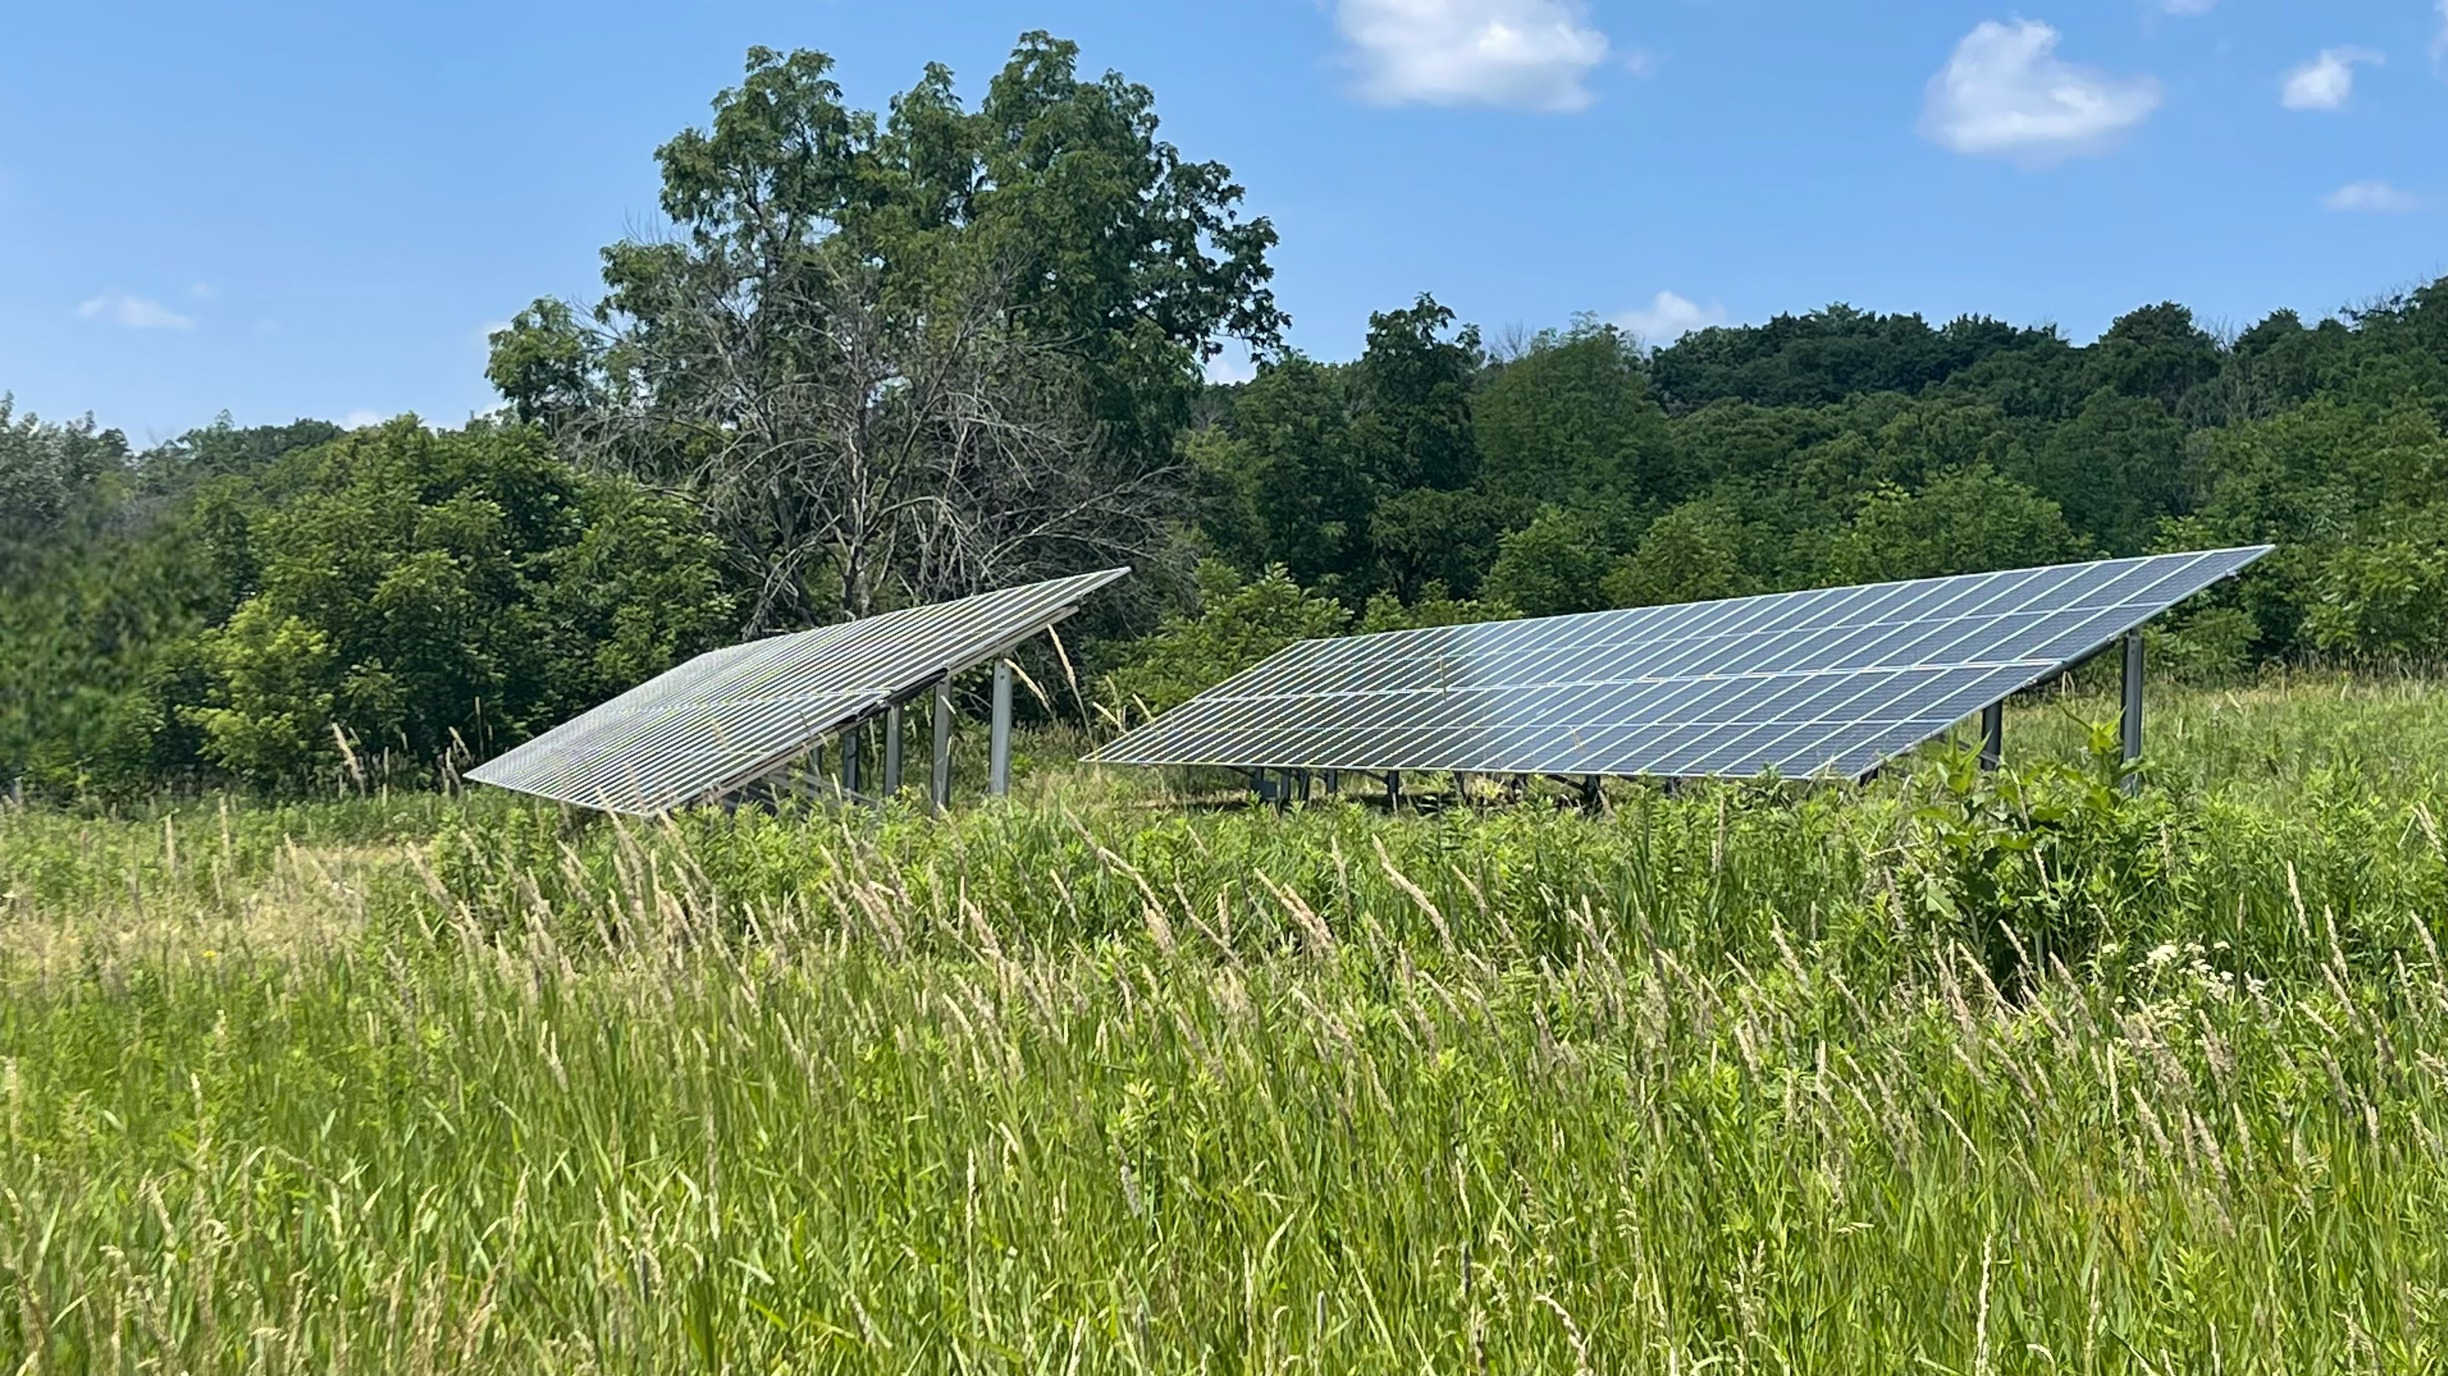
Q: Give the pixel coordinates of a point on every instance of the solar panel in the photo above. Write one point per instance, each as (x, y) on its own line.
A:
(732, 716)
(1826, 683)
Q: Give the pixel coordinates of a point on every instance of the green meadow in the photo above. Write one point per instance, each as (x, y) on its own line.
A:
(1947, 1073)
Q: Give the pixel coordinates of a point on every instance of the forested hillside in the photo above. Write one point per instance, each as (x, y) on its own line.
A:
(1575, 472)
(890, 358)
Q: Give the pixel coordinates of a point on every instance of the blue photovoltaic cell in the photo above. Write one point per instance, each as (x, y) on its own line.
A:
(730, 717)
(1825, 683)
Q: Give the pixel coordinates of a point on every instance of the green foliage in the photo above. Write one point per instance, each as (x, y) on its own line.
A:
(1962, 522)
(1552, 566)
(2156, 353)
(51, 478)
(99, 607)
(2038, 863)
(424, 1084)
(1829, 355)
(1286, 461)
(2385, 595)
(2118, 468)
(1845, 446)
(276, 679)
(1042, 267)
(2206, 643)
(1236, 625)
(427, 592)
(243, 603)
(1694, 553)
(1385, 612)
(1570, 421)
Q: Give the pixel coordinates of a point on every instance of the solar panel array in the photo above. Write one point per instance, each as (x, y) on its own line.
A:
(730, 717)
(1826, 683)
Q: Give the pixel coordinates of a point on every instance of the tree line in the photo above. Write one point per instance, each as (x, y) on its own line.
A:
(886, 358)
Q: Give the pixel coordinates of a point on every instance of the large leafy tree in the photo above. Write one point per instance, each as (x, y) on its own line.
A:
(1286, 459)
(900, 356)
(2118, 468)
(2157, 352)
(1359, 478)
(1571, 420)
(52, 476)
(422, 594)
(1412, 436)
(1699, 551)
(1551, 566)
(1966, 521)
(1829, 355)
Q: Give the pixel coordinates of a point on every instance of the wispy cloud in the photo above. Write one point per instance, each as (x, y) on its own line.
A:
(1525, 54)
(2370, 198)
(134, 312)
(360, 418)
(2327, 81)
(1668, 318)
(2006, 93)
(2185, 9)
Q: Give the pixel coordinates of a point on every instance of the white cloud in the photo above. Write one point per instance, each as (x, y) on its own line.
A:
(201, 291)
(1224, 369)
(1528, 54)
(2325, 82)
(2006, 93)
(2187, 9)
(360, 418)
(2439, 45)
(2377, 198)
(1669, 318)
(134, 312)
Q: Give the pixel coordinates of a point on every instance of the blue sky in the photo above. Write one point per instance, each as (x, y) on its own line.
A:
(284, 210)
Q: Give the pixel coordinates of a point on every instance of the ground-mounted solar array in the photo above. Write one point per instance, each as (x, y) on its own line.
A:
(1825, 683)
(732, 716)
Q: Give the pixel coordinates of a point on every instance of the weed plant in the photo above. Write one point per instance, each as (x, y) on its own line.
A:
(1949, 1073)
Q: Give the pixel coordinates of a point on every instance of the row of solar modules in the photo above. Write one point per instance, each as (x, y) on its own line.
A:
(1679, 728)
(2039, 615)
(1827, 682)
(729, 717)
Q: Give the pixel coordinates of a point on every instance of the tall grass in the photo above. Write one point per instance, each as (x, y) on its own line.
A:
(1946, 1074)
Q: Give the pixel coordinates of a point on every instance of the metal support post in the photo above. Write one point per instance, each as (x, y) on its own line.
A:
(1393, 789)
(998, 750)
(939, 792)
(1334, 782)
(1993, 735)
(1593, 793)
(853, 745)
(2132, 719)
(892, 750)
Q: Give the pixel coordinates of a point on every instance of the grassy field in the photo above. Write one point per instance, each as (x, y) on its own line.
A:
(1943, 1074)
